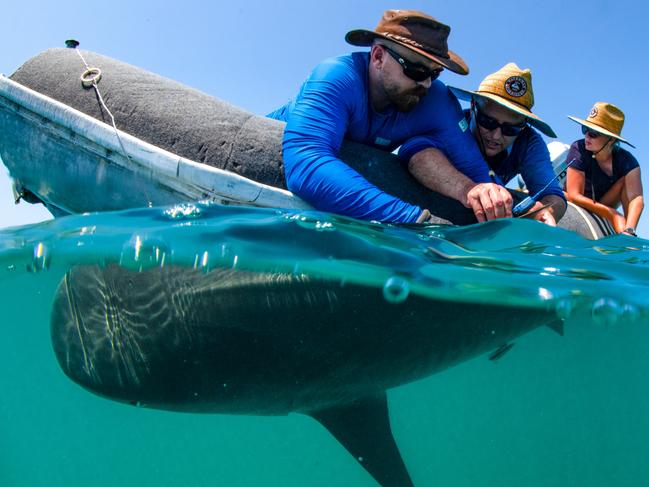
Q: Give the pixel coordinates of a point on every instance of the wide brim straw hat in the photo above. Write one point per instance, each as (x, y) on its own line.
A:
(604, 118)
(510, 87)
(416, 31)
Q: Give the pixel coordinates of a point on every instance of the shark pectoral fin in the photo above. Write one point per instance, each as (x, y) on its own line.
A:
(500, 351)
(556, 325)
(363, 428)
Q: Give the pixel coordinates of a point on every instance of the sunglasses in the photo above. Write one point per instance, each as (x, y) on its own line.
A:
(591, 133)
(414, 71)
(489, 123)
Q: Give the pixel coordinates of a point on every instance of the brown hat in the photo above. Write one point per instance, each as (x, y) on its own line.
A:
(606, 119)
(510, 87)
(418, 32)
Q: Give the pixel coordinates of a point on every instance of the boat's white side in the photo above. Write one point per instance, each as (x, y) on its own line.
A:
(75, 163)
(43, 140)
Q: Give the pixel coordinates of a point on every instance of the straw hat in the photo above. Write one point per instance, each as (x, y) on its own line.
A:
(510, 87)
(606, 119)
(418, 32)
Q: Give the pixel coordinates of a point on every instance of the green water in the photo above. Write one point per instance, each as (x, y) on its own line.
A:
(571, 410)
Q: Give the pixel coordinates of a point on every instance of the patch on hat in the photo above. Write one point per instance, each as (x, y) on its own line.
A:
(516, 86)
(593, 112)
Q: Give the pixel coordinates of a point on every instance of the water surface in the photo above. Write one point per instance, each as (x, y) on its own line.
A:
(553, 411)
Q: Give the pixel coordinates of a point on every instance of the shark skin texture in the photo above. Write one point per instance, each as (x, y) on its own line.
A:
(262, 343)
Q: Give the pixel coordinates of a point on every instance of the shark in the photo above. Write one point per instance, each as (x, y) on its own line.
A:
(234, 341)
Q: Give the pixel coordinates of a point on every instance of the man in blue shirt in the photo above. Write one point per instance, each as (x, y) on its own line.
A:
(387, 98)
(501, 120)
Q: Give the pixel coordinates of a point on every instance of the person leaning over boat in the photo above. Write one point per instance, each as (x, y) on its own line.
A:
(604, 175)
(386, 98)
(501, 120)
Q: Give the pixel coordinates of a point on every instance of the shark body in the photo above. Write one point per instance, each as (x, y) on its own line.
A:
(237, 342)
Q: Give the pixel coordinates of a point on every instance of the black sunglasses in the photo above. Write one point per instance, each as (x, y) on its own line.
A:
(414, 71)
(591, 133)
(489, 123)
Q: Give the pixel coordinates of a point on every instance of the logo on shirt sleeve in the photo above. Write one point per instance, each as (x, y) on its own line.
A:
(381, 141)
(463, 124)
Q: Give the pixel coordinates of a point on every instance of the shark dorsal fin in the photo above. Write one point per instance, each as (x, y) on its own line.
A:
(363, 428)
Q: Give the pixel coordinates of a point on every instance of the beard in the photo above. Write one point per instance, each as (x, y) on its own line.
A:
(405, 100)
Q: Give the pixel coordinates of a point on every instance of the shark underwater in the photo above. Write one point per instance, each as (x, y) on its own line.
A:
(233, 341)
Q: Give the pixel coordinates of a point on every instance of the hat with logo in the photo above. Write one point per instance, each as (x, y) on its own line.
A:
(510, 87)
(604, 118)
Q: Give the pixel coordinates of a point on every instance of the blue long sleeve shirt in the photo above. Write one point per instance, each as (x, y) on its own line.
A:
(333, 104)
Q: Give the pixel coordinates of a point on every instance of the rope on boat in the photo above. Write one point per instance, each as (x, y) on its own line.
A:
(90, 78)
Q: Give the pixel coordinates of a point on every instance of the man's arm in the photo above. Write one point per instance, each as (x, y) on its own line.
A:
(487, 200)
(441, 125)
(314, 133)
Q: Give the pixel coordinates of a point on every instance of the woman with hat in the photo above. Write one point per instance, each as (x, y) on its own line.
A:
(502, 122)
(605, 176)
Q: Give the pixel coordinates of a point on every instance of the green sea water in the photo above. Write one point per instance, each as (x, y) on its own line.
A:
(554, 411)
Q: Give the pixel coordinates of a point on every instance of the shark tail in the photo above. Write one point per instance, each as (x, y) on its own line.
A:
(363, 428)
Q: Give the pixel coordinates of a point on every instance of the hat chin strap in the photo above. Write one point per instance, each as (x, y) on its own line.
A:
(474, 116)
(601, 148)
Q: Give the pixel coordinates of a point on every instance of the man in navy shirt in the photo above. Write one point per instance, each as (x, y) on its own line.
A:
(501, 120)
(387, 98)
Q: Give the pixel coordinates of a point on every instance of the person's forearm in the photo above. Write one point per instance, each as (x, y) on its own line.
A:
(636, 205)
(592, 206)
(432, 169)
(487, 200)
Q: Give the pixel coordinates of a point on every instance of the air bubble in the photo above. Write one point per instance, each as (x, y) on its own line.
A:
(143, 253)
(565, 308)
(40, 258)
(630, 313)
(606, 311)
(396, 290)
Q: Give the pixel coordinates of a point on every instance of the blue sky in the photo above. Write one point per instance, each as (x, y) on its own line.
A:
(255, 54)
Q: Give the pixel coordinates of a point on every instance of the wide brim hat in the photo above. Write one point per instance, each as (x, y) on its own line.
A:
(416, 31)
(604, 118)
(509, 87)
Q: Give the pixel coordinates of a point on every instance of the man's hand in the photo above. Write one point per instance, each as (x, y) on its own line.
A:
(489, 201)
(544, 216)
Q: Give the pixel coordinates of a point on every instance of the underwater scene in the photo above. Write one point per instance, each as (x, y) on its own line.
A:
(210, 345)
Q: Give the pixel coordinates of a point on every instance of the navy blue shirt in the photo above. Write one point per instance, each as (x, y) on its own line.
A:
(597, 181)
(333, 104)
